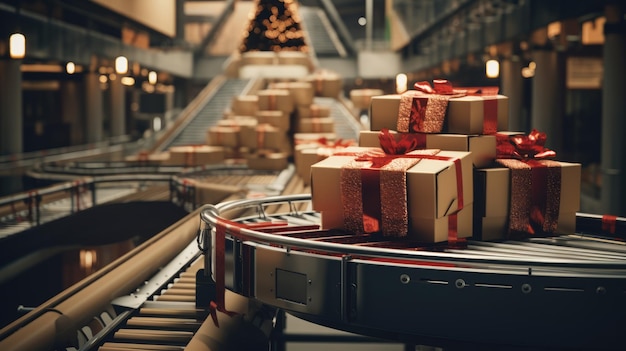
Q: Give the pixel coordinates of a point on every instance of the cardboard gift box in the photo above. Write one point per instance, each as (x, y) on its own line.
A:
(478, 114)
(316, 125)
(145, 157)
(276, 99)
(195, 155)
(267, 160)
(305, 155)
(278, 119)
(313, 138)
(223, 136)
(439, 193)
(313, 110)
(491, 203)
(326, 84)
(465, 115)
(302, 93)
(540, 197)
(482, 147)
(362, 98)
(258, 58)
(295, 58)
(265, 136)
(245, 105)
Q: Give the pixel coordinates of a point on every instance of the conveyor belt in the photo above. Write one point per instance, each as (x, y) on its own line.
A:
(541, 293)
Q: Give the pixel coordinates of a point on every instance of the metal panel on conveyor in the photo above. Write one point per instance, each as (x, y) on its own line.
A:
(346, 126)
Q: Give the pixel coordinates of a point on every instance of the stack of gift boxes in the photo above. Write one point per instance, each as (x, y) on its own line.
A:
(438, 165)
(264, 127)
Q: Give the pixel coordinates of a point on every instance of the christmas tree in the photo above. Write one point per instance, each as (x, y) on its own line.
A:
(275, 27)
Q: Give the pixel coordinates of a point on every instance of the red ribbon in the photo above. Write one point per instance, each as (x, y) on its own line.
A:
(609, 223)
(407, 143)
(440, 86)
(370, 183)
(523, 147)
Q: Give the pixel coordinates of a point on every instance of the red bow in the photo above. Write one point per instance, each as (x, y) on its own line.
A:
(523, 147)
(440, 86)
(389, 144)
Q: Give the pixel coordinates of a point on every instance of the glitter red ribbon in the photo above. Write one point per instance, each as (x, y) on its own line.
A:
(370, 207)
(424, 109)
(405, 144)
(523, 147)
(535, 182)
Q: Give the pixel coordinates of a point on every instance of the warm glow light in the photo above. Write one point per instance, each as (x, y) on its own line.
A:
(70, 68)
(103, 78)
(401, 83)
(527, 72)
(492, 69)
(17, 46)
(156, 124)
(130, 81)
(532, 65)
(121, 65)
(362, 21)
(152, 77)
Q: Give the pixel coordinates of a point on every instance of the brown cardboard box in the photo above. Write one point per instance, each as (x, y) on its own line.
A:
(316, 125)
(223, 136)
(195, 155)
(276, 99)
(482, 147)
(302, 93)
(431, 195)
(493, 191)
(295, 58)
(383, 112)
(278, 119)
(267, 160)
(258, 58)
(465, 115)
(245, 105)
(307, 155)
(491, 203)
(326, 84)
(362, 98)
(313, 110)
(265, 136)
(316, 138)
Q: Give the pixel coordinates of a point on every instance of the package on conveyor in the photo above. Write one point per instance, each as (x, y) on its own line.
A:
(424, 195)
(264, 159)
(527, 192)
(297, 58)
(316, 125)
(258, 58)
(276, 118)
(148, 158)
(223, 135)
(302, 93)
(326, 83)
(195, 155)
(312, 111)
(305, 155)
(276, 99)
(441, 109)
(362, 98)
(482, 147)
(266, 136)
(245, 105)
